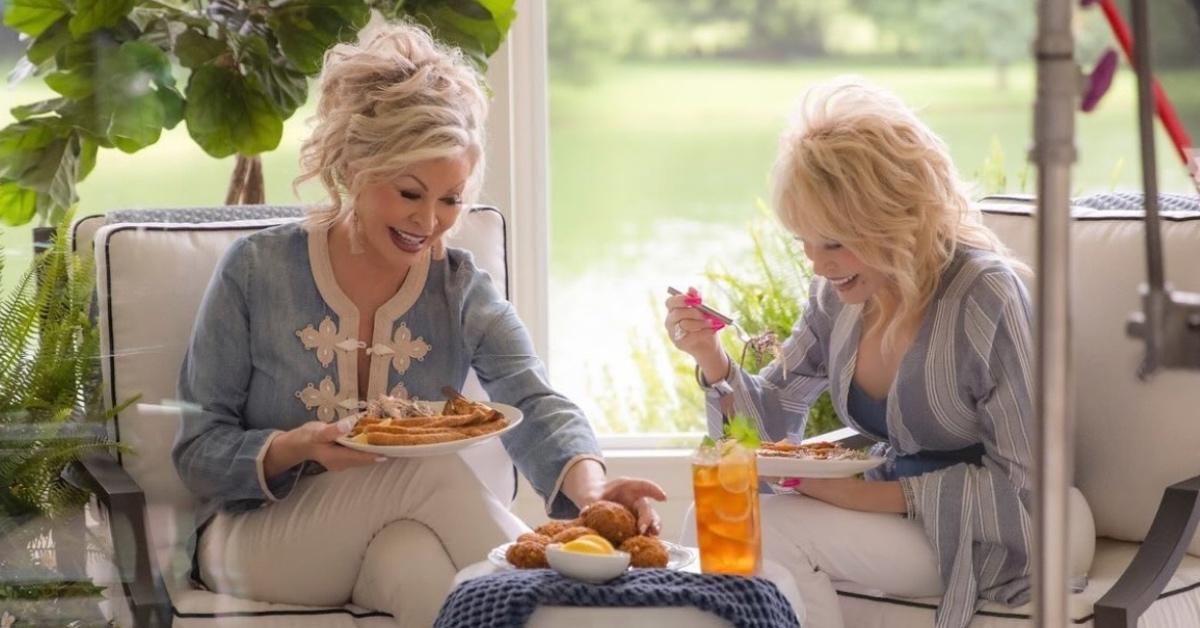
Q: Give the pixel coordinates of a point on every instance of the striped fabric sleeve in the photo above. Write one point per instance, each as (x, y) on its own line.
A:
(779, 396)
(977, 517)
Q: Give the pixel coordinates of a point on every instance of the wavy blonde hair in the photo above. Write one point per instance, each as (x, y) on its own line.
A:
(856, 166)
(390, 100)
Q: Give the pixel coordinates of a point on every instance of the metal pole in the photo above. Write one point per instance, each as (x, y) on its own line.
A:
(1054, 153)
(1155, 303)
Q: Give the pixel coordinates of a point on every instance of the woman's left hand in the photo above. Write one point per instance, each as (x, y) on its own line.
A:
(635, 494)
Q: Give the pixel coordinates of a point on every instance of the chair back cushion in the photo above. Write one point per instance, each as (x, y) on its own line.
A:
(150, 281)
(1132, 438)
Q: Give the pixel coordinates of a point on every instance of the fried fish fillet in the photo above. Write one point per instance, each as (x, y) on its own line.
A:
(388, 440)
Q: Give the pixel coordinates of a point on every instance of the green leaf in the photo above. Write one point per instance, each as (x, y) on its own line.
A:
(708, 442)
(132, 109)
(22, 112)
(286, 86)
(744, 431)
(74, 84)
(33, 17)
(307, 28)
(29, 135)
(91, 15)
(227, 114)
(17, 204)
(54, 175)
(477, 27)
(172, 104)
(87, 156)
(151, 59)
(194, 48)
(50, 41)
(62, 184)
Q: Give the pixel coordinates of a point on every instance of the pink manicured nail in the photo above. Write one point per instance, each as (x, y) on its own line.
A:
(791, 482)
(716, 324)
(692, 300)
(381, 459)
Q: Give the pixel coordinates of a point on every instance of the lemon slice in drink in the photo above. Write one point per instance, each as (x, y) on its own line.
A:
(589, 544)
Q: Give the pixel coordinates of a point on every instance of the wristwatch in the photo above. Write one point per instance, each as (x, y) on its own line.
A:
(721, 387)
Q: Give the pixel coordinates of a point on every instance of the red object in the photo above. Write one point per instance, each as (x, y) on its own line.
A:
(1166, 113)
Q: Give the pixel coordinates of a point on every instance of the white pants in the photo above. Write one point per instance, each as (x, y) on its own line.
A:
(315, 547)
(822, 544)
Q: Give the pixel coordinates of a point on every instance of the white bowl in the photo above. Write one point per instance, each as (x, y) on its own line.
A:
(593, 568)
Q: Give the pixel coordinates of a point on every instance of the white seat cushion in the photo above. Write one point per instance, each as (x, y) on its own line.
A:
(1177, 607)
(1132, 438)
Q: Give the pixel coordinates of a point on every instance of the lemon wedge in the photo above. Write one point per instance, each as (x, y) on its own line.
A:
(589, 544)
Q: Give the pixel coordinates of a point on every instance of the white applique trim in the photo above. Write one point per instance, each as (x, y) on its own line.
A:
(399, 391)
(404, 349)
(325, 339)
(328, 402)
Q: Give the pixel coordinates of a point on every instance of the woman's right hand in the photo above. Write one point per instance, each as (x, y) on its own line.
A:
(690, 330)
(315, 441)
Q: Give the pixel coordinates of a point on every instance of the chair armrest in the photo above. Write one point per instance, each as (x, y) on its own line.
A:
(125, 504)
(847, 437)
(1156, 560)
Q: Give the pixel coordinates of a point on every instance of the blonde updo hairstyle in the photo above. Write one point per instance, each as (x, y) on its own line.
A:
(856, 166)
(392, 99)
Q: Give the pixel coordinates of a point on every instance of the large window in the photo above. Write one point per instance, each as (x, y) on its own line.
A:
(663, 125)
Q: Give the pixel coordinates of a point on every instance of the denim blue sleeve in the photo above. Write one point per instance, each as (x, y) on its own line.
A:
(216, 456)
(554, 432)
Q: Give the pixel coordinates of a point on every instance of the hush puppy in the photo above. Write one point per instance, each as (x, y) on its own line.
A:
(645, 551)
(534, 537)
(570, 534)
(527, 555)
(551, 528)
(609, 519)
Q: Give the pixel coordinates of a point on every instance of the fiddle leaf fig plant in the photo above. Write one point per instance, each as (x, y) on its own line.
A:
(232, 71)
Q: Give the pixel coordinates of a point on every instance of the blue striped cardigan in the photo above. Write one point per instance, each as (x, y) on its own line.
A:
(966, 379)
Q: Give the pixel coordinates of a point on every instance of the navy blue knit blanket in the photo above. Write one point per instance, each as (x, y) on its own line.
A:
(508, 598)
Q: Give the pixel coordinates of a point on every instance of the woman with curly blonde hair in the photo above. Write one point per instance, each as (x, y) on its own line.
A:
(305, 323)
(919, 325)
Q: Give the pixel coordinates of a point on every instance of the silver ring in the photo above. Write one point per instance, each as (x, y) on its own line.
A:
(679, 333)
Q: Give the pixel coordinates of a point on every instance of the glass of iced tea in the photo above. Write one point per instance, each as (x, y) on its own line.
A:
(725, 484)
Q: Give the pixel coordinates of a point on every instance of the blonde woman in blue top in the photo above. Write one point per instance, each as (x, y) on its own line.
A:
(919, 326)
(303, 324)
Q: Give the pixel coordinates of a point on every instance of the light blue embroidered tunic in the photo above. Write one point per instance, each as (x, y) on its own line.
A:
(275, 344)
(964, 382)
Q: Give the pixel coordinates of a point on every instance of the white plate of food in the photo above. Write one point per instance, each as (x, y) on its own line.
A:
(678, 556)
(400, 428)
(813, 460)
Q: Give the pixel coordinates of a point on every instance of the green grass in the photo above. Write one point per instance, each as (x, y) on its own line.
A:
(695, 141)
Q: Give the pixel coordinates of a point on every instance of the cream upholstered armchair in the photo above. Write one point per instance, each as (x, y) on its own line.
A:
(1137, 444)
(151, 275)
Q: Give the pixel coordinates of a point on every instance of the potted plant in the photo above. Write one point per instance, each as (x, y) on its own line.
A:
(50, 415)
